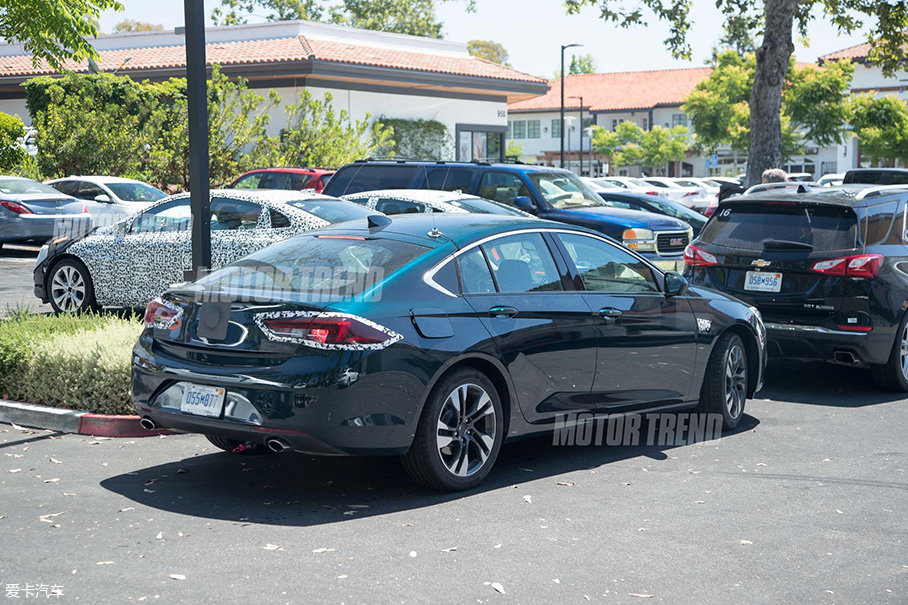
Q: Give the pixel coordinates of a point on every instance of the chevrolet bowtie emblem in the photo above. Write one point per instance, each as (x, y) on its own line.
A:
(761, 263)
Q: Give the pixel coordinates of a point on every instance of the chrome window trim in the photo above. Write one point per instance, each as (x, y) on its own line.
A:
(430, 274)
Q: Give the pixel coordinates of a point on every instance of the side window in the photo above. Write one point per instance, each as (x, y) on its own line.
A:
(474, 271)
(502, 187)
(523, 263)
(250, 181)
(234, 215)
(275, 180)
(392, 206)
(606, 268)
(278, 220)
(298, 182)
(447, 179)
(167, 218)
(618, 203)
(67, 187)
(88, 191)
(446, 277)
(879, 223)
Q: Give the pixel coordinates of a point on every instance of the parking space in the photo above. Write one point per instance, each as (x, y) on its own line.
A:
(805, 503)
(16, 285)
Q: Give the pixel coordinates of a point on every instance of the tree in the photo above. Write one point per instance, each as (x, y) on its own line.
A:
(422, 139)
(131, 25)
(233, 12)
(881, 126)
(488, 50)
(621, 146)
(11, 133)
(813, 108)
(888, 34)
(513, 149)
(51, 30)
(582, 64)
(660, 146)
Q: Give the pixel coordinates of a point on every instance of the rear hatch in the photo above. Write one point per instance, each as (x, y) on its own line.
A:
(782, 258)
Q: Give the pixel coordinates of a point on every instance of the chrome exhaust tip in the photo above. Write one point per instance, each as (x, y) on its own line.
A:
(148, 424)
(845, 357)
(277, 445)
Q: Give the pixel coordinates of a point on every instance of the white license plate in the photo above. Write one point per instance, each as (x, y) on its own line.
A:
(202, 401)
(760, 281)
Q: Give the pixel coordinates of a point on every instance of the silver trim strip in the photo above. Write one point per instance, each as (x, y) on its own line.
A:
(881, 189)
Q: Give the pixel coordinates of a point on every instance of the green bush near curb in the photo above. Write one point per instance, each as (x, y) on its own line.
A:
(78, 362)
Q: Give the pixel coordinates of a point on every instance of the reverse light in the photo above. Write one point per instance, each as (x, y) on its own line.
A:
(641, 240)
(859, 265)
(162, 315)
(697, 257)
(15, 207)
(331, 331)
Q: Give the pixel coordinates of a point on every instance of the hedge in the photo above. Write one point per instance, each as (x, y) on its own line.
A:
(70, 361)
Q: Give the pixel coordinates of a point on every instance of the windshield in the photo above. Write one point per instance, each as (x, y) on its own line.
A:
(136, 192)
(564, 190)
(333, 211)
(687, 183)
(25, 186)
(676, 210)
(480, 206)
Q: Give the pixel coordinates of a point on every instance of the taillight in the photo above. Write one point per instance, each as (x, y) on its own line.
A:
(326, 330)
(709, 211)
(163, 316)
(690, 194)
(16, 207)
(697, 257)
(860, 265)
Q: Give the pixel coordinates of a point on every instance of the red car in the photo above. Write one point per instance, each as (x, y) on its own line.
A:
(294, 179)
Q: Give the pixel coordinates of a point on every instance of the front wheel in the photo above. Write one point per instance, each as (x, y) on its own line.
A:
(724, 388)
(893, 375)
(459, 434)
(70, 288)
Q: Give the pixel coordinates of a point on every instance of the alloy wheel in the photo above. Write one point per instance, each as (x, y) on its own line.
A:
(466, 430)
(903, 352)
(735, 381)
(68, 288)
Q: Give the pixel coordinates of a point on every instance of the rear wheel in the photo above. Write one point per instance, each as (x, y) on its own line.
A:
(69, 287)
(724, 388)
(459, 434)
(893, 375)
(229, 445)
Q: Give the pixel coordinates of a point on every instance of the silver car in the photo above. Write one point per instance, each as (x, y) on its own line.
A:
(32, 213)
(109, 199)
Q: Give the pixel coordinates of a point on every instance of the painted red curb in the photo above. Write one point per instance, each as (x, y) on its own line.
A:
(108, 425)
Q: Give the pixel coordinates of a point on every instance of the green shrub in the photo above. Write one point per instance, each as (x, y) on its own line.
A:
(71, 361)
(11, 152)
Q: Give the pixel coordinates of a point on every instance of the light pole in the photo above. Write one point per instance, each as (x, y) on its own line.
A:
(569, 124)
(197, 98)
(563, 47)
(581, 133)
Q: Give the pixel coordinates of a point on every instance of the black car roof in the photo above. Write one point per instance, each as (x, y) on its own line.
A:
(517, 167)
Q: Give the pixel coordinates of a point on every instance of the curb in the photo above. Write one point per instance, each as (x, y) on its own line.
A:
(73, 421)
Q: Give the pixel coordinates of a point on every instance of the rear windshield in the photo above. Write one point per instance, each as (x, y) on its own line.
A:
(25, 186)
(333, 211)
(748, 226)
(355, 179)
(481, 206)
(312, 269)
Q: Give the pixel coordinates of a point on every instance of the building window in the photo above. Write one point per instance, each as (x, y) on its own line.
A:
(645, 123)
(587, 122)
(828, 167)
(679, 119)
(508, 135)
(533, 129)
(615, 123)
(556, 128)
(520, 129)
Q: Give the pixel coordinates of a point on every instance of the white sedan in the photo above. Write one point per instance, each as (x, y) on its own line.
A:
(132, 262)
(108, 199)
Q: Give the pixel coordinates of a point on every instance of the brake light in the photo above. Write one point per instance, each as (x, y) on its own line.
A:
(326, 330)
(163, 316)
(697, 257)
(860, 265)
(709, 211)
(690, 194)
(16, 208)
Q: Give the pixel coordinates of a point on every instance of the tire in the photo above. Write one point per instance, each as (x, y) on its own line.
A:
(724, 389)
(893, 375)
(228, 445)
(472, 443)
(70, 288)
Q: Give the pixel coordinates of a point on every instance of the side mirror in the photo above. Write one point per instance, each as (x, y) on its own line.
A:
(675, 284)
(524, 203)
(103, 198)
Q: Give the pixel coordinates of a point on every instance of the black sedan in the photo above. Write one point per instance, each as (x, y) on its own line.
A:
(656, 204)
(436, 337)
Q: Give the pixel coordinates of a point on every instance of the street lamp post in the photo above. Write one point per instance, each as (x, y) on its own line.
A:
(569, 125)
(581, 134)
(197, 99)
(563, 47)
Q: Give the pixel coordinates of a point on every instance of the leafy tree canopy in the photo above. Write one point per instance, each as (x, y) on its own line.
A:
(881, 126)
(582, 64)
(131, 25)
(488, 50)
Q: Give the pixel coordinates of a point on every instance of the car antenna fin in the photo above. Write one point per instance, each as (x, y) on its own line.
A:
(377, 220)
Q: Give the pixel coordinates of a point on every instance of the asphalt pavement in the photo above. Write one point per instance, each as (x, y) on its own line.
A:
(805, 503)
(16, 282)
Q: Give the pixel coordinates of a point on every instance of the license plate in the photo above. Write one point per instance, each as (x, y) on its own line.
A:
(760, 281)
(202, 401)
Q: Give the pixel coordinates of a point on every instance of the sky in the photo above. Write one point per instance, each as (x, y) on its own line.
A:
(533, 30)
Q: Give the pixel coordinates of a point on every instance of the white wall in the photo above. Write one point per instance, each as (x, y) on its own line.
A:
(16, 107)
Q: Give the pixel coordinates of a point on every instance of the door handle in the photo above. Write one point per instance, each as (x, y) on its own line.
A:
(503, 311)
(609, 313)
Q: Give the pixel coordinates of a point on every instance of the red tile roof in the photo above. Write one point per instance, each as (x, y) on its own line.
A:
(621, 90)
(858, 51)
(278, 50)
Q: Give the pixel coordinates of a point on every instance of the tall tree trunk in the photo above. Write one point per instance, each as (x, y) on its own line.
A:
(766, 97)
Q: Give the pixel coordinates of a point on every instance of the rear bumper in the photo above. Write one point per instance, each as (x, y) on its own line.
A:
(794, 341)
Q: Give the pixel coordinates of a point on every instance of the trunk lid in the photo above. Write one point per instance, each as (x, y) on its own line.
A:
(40, 203)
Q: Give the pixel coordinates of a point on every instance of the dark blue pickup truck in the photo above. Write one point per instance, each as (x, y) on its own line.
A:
(549, 193)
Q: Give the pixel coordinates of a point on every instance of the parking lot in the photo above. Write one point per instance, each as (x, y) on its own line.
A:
(805, 503)
(16, 264)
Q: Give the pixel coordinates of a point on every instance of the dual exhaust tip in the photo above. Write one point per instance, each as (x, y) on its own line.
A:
(275, 444)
